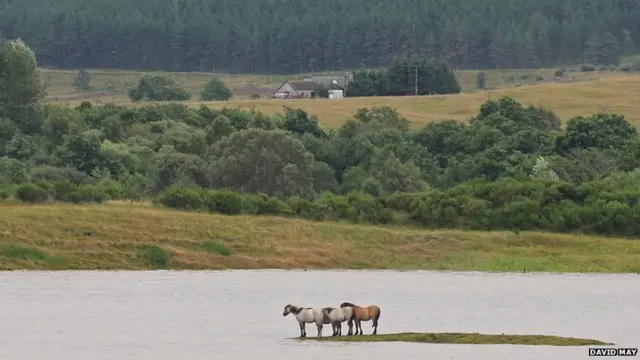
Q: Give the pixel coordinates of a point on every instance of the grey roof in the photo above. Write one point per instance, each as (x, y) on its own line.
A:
(303, 85)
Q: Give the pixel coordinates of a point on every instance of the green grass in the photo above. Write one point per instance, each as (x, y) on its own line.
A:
(463, 338)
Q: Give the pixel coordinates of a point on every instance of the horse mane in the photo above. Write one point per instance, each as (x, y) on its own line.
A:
(345, 304)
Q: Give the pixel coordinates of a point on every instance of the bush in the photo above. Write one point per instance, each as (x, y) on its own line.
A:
(89, 193)
(183, 198)
(215, 89)
(158, 88)
(262, 204)
(633, 67)
(307, 209)
(224, 202)
(32, 193)
(587, 68)
(559, 72)
(155, 256)
(63, 190)
(6, 191)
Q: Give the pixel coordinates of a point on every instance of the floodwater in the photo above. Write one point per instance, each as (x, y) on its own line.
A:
(193, 315)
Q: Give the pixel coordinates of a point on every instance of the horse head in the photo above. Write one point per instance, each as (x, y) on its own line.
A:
(345, 304)
(288, 309)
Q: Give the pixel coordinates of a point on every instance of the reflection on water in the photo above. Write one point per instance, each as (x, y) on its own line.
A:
(191, 315)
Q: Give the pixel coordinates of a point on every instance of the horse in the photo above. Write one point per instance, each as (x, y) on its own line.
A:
(337, 316)
(307, 315)
(371, 312)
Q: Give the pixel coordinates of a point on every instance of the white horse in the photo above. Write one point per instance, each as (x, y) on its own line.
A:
(307, 315)
(339, 315)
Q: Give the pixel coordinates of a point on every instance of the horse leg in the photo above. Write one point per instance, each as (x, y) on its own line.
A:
(340, 329)
(375, 322)
(319, 326)
(350, 323)
(333, 329)
(360, 327)
(303, 332)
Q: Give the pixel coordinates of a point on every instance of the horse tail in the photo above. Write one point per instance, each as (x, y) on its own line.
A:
(375, 319)
(353, 313)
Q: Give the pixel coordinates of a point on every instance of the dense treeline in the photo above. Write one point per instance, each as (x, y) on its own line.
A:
(269, 36)
(405, 76)
(510, 167)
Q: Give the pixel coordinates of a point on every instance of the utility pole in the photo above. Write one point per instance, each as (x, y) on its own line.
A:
(416, 80)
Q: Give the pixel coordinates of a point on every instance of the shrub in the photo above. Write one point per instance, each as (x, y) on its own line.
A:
(62, 190)
(308, 209)
(225, 202)
(587, 68)
(158, 88)
(89, 193)
(215, 89)
(32, 193)
(6, 191)
(182, 198)
(262, 204)
(155, 256)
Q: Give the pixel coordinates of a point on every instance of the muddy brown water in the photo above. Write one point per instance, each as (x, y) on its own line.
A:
(193, 315)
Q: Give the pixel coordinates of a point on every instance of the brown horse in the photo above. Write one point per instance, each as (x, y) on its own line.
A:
(371, 312)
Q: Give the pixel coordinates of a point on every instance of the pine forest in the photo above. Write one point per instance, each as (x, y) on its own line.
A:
(285, 36)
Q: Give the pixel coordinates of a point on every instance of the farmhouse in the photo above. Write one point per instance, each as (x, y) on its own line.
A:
(309, 86)
(296, 89)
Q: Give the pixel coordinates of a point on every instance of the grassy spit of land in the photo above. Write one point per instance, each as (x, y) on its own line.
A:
(465, 338)
(124, 236)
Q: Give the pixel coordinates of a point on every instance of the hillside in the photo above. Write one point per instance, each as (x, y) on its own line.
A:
(269, 36)
(122, 236)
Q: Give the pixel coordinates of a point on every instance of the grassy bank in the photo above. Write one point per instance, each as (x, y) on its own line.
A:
(123, 236)
(462, 338)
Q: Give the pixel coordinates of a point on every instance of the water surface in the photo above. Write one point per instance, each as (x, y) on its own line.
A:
(191, 315)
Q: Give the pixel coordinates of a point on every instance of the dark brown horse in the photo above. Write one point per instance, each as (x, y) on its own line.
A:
(371, 312)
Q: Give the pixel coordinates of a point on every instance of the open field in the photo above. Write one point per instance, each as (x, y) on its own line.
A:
(589, 93)
(464, 338)
(112, 85)
(123, 236)
(618, 94)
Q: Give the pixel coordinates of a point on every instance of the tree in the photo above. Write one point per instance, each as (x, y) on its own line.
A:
(542, 170)
(158, 88)
(628, 43)
(222, 35)
(399, 79)
(597, 131)
(215, 89)
(82, 80)
(603, 50)
(254, 160)
(481, 80)
(22, 88)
